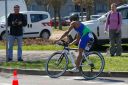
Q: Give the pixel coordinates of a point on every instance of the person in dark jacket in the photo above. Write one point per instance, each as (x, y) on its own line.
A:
(16, 21)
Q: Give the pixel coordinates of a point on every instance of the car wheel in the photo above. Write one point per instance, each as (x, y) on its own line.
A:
(45, 35)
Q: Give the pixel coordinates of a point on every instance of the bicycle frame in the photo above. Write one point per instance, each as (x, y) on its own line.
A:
(70, 56)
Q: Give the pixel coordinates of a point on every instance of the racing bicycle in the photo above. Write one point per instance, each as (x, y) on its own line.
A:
(91, 65)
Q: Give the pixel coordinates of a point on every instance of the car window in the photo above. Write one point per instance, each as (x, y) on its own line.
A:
(124, 13)
(95, 16)
(38, 17)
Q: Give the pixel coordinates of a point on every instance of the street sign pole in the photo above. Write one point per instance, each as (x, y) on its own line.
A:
(6, 25)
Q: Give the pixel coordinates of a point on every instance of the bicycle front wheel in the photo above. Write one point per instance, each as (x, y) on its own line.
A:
(92, 66)
(56, 64)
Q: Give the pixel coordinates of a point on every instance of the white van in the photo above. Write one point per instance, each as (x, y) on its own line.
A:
(10, 5)
(38, 25)
(97, 26)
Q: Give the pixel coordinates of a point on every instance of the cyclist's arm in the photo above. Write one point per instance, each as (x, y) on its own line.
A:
(77, 38)
(67, 32)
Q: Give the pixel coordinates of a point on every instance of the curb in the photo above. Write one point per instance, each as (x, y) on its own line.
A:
(67, 73)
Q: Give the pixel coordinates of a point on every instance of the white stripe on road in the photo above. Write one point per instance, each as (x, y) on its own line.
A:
(84, 81)
(116, 84)
(73, 78)
(4, 84)
(92, 82)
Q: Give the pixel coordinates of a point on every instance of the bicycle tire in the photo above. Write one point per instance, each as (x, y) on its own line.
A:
(91, 71)
(51, 71)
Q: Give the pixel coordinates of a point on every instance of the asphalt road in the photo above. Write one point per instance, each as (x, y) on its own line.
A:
(6, 79)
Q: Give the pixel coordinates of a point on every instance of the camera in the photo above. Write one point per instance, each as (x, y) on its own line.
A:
(16, 22)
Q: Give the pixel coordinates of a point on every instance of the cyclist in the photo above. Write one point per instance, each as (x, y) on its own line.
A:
(82, 37)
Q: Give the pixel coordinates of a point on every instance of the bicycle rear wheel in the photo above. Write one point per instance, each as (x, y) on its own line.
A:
(92, 67)
(56, 64)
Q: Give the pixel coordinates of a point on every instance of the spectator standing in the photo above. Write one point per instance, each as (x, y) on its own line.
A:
(16, 21)
(113, 24)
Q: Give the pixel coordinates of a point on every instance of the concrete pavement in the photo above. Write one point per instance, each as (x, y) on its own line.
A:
(27, 55)
(32, 55)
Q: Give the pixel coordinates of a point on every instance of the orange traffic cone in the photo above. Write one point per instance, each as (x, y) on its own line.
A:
(15, 79)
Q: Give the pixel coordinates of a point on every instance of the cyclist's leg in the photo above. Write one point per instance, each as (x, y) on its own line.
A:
(82, 44)
(79, 57)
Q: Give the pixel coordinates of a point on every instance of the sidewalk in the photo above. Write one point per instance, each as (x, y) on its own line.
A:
(27, 55)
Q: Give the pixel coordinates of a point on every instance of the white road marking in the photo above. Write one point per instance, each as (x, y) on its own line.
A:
(83, 81)
(73, 78)
(45, 76)
(92, 82)
(4, 84)
(116, 84)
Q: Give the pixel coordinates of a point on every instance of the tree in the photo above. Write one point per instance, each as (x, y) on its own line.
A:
(57, 5)
(44, 3)
(88, 4)
(126, 1)
(29, 2)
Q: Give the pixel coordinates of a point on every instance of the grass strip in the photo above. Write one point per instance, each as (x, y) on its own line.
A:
(112, 64)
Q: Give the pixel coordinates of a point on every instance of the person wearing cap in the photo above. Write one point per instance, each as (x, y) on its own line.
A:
(113, 25)
(82, 37)
(16, 22)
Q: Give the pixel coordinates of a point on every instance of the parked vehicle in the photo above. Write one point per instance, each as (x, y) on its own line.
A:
(38, 25)
(63, 22)
(80, 15)
(67, 19)
(11, 4)
(94, 17)
(98, 26)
